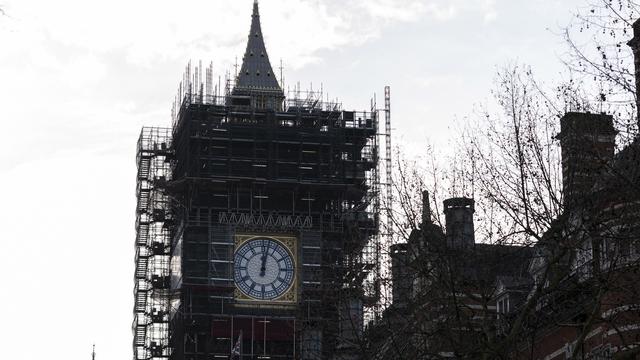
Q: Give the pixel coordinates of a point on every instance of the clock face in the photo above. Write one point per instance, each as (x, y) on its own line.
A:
(263, 269)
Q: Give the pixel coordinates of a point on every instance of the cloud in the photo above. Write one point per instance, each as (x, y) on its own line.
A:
(489, 9)
(88, 63)
(155, 31)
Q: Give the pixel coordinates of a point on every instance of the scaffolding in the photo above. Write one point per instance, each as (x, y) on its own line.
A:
(194, 90)
(388, 231)
(376, 253)
(153, 220)
(307, 168)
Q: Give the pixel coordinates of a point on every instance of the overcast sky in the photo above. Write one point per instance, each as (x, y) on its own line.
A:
(78, 79)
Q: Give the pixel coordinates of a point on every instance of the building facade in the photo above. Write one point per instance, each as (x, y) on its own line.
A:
(255, 215)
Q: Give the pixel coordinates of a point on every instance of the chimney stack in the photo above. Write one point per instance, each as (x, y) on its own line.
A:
(458, 214)
(400, 274)
(587, 141)
(426, 210)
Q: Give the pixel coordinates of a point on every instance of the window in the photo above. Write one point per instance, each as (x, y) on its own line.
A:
(503, 305)
(600, 353)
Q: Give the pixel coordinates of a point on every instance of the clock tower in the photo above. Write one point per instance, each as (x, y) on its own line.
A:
(256, 221)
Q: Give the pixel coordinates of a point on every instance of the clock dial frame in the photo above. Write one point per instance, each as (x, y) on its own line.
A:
(265, 268)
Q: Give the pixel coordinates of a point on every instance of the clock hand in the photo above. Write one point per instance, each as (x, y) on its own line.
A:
(263, 268)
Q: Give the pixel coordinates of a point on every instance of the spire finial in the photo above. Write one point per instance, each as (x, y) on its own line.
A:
(255, 7)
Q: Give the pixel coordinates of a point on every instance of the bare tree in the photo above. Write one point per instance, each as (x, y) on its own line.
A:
(516, 170)
(563, 264)
(581, 255)
(598, 56)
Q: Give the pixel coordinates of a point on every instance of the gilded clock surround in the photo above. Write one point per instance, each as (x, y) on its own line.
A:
(289, 297)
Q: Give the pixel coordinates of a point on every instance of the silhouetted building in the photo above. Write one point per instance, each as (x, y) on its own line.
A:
(577, 286)
(452, 288)
(586, 265)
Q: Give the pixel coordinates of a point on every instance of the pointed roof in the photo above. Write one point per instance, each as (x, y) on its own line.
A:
(256, 72)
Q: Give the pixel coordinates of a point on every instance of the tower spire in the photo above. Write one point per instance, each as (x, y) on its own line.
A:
(256, 73)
